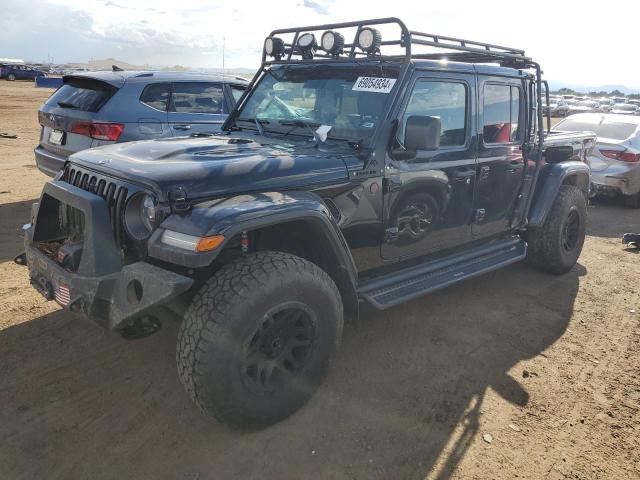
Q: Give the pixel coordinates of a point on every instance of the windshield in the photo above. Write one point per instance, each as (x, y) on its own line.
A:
(298, 100)
(602, 128)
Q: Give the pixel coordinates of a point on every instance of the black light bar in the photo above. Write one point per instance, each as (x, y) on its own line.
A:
(451, 48)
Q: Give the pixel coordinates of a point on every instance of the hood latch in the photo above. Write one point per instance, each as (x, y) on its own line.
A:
(178, 199)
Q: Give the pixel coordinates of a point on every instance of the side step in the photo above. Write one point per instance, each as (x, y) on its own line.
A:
(418, 280)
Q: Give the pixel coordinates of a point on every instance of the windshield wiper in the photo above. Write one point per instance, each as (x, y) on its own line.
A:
(67, 105)
(258, 122)
(299, 123)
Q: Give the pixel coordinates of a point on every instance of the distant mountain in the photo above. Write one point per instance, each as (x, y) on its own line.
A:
(556, 85)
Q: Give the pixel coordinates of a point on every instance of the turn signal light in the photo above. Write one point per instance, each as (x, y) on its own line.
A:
(206, 244)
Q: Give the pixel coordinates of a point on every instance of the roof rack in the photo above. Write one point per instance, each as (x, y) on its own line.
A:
(406, 43)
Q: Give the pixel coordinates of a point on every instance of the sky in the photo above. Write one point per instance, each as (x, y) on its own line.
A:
(573, 42)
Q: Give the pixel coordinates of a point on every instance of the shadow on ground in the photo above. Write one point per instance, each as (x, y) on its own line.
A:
(402, 400)
(78, 402)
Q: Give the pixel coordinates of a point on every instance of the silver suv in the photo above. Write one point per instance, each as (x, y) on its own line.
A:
(99, 108)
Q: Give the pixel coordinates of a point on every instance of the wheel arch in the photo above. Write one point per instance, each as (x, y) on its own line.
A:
(272, 221)
(565, 173)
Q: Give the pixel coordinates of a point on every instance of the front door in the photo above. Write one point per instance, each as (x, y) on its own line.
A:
(196, 107)
(429, 198)
(500, 157)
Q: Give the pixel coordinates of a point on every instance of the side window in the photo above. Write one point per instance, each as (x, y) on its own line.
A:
(446, 100)
(501, 113)
(156, 96)
(197, 98)
(237, 91)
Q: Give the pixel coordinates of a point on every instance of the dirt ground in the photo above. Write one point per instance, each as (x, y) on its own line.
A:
(514, 374)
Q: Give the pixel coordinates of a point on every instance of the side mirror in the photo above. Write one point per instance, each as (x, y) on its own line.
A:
(558, 154)
(422, 133)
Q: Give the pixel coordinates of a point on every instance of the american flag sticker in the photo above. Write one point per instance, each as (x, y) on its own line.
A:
(63, 295)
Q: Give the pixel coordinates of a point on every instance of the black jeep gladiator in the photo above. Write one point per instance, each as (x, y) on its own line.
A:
(368, 172)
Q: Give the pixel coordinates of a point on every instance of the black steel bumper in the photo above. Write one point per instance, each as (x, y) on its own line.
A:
(102, 289)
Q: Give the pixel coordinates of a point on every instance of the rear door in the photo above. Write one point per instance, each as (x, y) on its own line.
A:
(500, 159)
(196, 107)
(151, 115)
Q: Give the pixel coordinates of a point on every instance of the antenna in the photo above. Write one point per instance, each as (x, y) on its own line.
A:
(224, 41)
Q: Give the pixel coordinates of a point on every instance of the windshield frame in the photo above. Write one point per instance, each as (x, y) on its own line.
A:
(302, 131)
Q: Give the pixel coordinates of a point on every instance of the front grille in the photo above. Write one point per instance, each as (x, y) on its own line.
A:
(114, 195)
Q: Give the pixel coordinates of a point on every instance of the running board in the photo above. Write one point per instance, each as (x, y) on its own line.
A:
(416, 281)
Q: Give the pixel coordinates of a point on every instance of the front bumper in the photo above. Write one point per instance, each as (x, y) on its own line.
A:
(101, 289)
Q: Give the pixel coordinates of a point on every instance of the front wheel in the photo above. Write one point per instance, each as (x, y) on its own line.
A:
(556, 246)
(11, 77)
(257, 339)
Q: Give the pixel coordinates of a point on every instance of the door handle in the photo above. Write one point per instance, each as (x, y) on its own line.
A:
(463, 175)
(182, 127)
(514, 166)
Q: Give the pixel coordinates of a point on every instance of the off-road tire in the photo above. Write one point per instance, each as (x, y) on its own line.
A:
(632, 201)
(224, 318)
(547, 244)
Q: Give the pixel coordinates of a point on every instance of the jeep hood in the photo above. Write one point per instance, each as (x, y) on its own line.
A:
(208, 167)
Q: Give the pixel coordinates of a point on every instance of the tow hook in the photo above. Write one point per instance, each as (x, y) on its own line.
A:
(140, 328)
(21, 259)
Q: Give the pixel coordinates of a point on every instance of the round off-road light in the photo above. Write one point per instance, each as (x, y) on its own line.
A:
(308, 45)
(274, 47)
(332, 42)
(369, 40)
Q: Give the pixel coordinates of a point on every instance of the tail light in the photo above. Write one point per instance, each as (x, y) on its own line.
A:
(99, 131)
(624, 156)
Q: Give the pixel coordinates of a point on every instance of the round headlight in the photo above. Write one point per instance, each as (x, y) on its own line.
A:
(149, 212)
(369, 40)
(141, 216)
(332, 42)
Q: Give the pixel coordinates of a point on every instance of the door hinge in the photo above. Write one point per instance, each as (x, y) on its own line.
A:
(391, 184)
(479, 216)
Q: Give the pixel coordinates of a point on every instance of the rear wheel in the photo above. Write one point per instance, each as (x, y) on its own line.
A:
(632, 201)
(11, 77)
(556, 246)
(257, 339)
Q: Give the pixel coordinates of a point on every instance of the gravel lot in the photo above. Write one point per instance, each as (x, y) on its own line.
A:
(515, 374)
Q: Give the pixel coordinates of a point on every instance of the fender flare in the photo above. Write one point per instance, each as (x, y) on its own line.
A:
(554, 176)
(231, 216)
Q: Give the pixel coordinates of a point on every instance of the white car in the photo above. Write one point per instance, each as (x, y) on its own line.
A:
(615, 160)
(625, 109)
